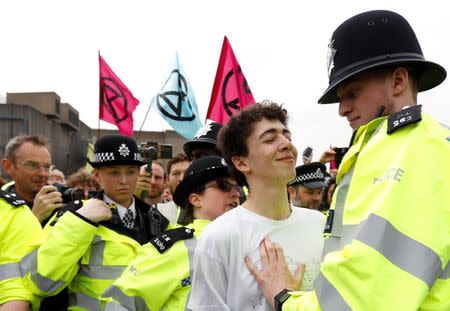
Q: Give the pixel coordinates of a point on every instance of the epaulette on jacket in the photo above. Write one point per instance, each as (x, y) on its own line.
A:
(409, 115)
(165, 241)
(12, 198)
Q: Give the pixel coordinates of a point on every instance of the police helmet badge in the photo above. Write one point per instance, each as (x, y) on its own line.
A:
(330, 56)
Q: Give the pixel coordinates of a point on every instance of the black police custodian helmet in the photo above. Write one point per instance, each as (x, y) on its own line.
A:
(206, 137)
(115, 149)
(198, 173)
(375, 39)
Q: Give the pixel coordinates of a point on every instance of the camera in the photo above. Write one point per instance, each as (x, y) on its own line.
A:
(152, 150)
(69, 194)
(307, 154)
(340, 153)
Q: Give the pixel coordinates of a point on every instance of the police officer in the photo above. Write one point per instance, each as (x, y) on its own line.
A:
(305, 190)
(18, 229)
(28, 162)
(87, 245)
(204, 142)
(160, 276)
(389, 244)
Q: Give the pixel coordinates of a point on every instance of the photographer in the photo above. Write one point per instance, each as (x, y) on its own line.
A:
(87, 245)
(28, 162)
(153, 184)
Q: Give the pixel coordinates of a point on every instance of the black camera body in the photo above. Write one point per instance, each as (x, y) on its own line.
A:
(152, 150)
(69, 194)
(340, 153)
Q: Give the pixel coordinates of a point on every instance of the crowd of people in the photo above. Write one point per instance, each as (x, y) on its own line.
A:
(233, 223)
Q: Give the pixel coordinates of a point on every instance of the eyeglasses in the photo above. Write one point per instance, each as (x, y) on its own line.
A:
(35, 166)
(223, 185)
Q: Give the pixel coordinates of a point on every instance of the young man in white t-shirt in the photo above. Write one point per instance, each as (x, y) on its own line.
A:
(257, 144)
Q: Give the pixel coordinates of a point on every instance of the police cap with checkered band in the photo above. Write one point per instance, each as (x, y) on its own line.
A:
(376, 39)
(115, 149)
(310, 175)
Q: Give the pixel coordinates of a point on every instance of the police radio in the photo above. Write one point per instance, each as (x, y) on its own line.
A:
(157, 222)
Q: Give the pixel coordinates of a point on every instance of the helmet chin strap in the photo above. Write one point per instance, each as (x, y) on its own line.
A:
(380, 111)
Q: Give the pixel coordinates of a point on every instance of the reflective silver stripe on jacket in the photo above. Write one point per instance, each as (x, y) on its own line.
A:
(401, 250)
(446, 272)
(191, 245)
(126, 302)
(97, 250)
(45, 284)
(327, 295)
(112, 306)
(96, 269)
(10, 271)
(333, 242)
(84, 301)
(101, 272)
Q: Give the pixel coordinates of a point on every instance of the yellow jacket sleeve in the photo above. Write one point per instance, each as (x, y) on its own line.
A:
(54, 263)
(152, 279)
(18, 229)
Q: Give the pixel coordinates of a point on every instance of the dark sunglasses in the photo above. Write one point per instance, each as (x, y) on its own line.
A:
(222, 184)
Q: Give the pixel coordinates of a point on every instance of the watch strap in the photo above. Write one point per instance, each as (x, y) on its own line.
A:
(280, 298)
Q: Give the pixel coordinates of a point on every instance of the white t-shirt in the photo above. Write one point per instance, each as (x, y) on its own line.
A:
(221, 279)
(169, 210)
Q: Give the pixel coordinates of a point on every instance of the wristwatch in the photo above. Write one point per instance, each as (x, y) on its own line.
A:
(280, 298)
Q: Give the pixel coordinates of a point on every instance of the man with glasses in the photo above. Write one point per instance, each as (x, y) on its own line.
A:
(28, 162)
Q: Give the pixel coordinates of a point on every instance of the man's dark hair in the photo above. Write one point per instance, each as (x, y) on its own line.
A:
(232, 138)
(180, 157)
(16, 142)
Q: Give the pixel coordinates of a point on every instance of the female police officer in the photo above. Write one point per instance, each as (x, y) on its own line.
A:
(160, 276)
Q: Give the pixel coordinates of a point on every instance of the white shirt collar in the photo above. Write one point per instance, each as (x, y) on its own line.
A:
(120, 208)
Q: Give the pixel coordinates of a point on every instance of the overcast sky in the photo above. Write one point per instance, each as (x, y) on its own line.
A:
(280, 45)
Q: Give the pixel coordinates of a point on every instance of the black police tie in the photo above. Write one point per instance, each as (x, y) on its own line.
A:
(128, 219)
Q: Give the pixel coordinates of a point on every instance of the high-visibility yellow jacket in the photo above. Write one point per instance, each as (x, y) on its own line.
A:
(82, 255)
(18, 229)
(390, 239)
(155, 280)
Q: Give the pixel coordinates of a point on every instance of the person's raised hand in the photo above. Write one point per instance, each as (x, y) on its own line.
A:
(95, 210)
(275, 275)
(46, 201)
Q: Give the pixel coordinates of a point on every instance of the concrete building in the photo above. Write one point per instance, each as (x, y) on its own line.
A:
(42, 113)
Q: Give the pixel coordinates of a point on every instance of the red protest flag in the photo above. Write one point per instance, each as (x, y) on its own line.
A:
(117, 103)
(230, 92)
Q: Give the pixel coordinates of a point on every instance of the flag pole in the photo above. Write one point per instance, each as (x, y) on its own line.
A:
(99, 94)
(145, 118)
